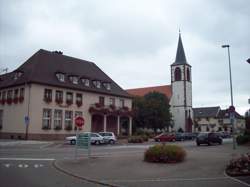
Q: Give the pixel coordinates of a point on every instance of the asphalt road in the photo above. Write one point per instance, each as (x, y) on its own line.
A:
(30, 164)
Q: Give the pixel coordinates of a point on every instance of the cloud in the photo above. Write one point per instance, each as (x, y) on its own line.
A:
(135, 41)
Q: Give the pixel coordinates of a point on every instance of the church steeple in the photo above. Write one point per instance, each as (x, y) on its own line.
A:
(180, 54)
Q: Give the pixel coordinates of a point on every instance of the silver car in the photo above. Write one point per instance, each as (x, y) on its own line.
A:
(95, 138)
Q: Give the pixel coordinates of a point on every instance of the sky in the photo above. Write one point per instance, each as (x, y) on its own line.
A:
(135, 41)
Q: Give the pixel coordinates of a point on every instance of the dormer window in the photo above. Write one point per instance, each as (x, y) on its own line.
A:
(85, 81)
(17, 75)
(107, 85)
(73, 79)
(60, 77)
(97, 83)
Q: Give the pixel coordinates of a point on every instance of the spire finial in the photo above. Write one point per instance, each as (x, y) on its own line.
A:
(179, 31)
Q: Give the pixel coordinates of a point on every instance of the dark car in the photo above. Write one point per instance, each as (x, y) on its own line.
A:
(208, 138)
(190, 136)
(165, 137)
(180, 137)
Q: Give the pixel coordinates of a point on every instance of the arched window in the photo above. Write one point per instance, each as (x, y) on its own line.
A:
(177, 74)
(188, 75)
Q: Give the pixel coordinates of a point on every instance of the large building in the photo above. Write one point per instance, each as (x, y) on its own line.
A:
(179, 92)
(41, 98)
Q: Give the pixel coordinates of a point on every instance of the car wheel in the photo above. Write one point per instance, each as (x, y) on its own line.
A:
(72, 142)
(220, 142)
(111, 141)
(208, 143)
(97, 142)
(198, 144)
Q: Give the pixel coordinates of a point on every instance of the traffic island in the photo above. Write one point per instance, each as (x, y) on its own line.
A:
(163, 153)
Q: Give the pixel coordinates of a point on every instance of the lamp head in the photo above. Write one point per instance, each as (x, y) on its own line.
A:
(224, 46)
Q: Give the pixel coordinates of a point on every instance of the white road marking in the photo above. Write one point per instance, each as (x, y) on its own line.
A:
(167, 179)
(31, 159)
(7, 165)
(25, 165)
(20, 165)
(38, 165)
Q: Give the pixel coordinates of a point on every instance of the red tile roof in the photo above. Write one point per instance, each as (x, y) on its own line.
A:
(165, 89)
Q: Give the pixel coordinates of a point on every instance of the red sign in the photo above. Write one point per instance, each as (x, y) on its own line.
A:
(79, 121)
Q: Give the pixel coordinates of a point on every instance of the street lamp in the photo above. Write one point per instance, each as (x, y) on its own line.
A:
(231, 108)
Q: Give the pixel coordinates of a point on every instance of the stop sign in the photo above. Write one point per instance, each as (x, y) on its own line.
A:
(79, 121)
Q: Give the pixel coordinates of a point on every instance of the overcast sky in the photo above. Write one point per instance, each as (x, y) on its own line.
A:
(135, 41)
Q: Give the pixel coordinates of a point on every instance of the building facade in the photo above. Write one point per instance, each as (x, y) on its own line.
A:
(41, 99)
(214, 119)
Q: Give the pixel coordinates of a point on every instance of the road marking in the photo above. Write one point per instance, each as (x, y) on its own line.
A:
(236, 180)
(31, 159)
(7, 165)
(20, 165)
(38, 165)
(167, 179)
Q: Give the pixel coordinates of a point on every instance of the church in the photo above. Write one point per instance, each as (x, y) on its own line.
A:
(179, 92)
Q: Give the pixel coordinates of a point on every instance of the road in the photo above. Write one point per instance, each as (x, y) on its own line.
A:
(31, 164)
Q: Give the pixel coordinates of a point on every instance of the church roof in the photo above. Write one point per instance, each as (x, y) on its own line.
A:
(42, 67)
(165, 89)
(180, 54)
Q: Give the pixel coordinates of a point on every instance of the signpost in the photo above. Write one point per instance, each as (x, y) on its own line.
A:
(26, 121)
(82, 139)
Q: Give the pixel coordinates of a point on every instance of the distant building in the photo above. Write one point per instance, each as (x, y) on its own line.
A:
(215, 119)
(179, 92)
(50, 89)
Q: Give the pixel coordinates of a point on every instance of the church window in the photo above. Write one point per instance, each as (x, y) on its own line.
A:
(188, 75)
(177, 74)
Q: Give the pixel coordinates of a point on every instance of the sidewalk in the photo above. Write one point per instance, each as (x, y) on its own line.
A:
(130, 170)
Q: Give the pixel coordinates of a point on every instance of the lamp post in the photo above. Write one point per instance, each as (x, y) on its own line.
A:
(231, 108)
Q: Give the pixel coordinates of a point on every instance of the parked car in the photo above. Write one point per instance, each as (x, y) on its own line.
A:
(165, 137)
(225, 134)
(180, 136)
(209, 138)
(95, 138)
(190, 135)
(109, 137)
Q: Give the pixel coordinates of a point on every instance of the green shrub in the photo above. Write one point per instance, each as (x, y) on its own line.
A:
(242, 139)
(165, 153)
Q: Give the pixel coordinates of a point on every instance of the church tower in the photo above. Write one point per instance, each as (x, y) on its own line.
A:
(181, 101)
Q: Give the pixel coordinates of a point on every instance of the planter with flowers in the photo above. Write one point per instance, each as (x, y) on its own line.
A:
(9, 101)
(15, 100)
(79, 103)
(239, 166)
(69, 102)
(47, 99)
(59, 101)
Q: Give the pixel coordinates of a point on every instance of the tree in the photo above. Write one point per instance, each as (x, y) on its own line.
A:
(152, 111)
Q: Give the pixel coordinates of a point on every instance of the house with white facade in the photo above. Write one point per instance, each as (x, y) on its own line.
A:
(42, 97)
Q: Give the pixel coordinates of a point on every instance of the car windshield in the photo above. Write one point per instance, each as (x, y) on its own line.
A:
(202, 135)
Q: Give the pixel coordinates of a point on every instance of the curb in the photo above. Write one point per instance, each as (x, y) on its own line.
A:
(234, 179)
(55, 165)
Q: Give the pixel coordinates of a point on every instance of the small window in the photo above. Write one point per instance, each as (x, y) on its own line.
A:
(68, 120)
(69, 98)
(122, 103)
(1, 119)
(188, 74)
(85, 81)
(101, 100)
(73, 79)
(177, 74)
(112, 101)
(17, 75)
(3, 97)
(47, 95)
(107, 85)
(60, 77)
(58, 119)
(97, 83)
(79, 99)
(46, 119)
(59, 97)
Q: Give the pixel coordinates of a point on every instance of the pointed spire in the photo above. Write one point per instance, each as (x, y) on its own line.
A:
(180, 54)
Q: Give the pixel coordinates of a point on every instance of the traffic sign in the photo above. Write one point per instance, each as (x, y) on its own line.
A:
(26, 120)
(83, 140)
(79, 121)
